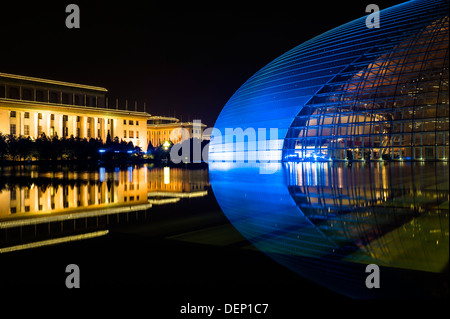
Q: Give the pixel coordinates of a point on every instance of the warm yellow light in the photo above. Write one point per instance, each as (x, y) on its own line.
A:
(53, 241)
(33, 79)
(166, 175)
(166, 145)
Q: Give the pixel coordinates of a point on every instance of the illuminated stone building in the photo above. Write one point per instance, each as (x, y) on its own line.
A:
(161, 129)
(32, 106)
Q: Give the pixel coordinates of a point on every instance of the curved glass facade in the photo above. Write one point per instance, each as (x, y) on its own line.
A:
(350, 93)
(394, 108)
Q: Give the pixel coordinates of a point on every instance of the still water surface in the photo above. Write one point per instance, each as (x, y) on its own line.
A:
(72, 201)
(323, 221)
(327, 221)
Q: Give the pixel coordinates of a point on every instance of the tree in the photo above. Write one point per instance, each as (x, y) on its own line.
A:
(150, 148)
(3, 147)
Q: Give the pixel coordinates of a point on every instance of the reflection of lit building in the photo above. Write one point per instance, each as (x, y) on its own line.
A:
(161, 129)
(353, 93)
(75, 192)
(82, 204)
(32, 106)
(175, 183)
(177, 180)
(364, 209)
(75, 205)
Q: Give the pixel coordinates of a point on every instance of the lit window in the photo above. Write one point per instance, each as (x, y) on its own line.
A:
(26, 115)
(40, 116)
(124, 122)
(12, 129)
(130, 122)
(52, 117)
(13, 114)
(124, 133)
(131, 134)
(137, 134)
(26, 130)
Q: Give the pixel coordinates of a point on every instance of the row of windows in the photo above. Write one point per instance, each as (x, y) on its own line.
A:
(130, 122)
(27, 131)
(30, 94)
(168, 132)
(26, 115)
(130, 134)
(13, 210)
(65, 118)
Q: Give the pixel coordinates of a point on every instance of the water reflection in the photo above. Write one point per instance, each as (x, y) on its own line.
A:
(393, 215)
(327, 221)
(32, 195)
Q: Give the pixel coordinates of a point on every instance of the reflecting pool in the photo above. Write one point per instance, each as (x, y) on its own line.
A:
(328, 221)
(46, 205)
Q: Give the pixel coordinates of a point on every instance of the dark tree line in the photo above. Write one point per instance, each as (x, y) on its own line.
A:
(20, 148)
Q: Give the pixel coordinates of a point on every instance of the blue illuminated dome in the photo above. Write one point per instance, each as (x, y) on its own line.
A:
(351, 93)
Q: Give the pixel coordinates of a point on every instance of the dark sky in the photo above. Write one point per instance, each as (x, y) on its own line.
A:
(184, 59)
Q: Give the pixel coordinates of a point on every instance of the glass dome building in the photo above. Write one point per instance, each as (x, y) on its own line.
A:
(352, 93)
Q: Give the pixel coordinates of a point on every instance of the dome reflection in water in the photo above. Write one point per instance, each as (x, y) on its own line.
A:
(328, 221)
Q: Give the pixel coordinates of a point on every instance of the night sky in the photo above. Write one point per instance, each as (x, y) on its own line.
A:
(183, 59)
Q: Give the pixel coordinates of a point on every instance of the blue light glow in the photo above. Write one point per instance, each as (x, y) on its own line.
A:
(308, 92)
(316, 211)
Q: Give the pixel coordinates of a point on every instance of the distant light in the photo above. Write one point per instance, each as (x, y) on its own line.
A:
(166, 175)
(116, 151)
(166, 145)
(129, 152)
(101, 151)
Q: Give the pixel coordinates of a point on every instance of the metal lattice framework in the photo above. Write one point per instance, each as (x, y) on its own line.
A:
(394, 108)
(350, 93)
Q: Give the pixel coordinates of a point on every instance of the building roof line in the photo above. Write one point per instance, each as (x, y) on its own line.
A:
(177, 124)
(160, 117)
(47, 81)
(71, 108)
